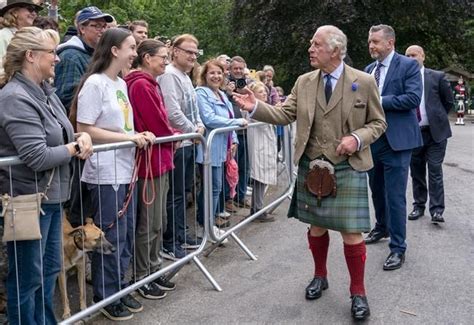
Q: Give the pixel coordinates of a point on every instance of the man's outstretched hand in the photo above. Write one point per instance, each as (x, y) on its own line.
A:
(246, 99)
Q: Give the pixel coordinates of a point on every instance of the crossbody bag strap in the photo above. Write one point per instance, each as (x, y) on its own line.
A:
(49, 182)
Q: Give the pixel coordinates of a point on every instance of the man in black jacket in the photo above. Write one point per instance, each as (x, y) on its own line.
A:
(436, 102)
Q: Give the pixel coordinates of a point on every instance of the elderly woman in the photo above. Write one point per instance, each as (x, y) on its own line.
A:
(262, 146)
(34, 126)
(16, 14)
(216, 112)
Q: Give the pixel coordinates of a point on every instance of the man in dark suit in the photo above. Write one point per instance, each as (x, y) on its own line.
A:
(400, 87)
(436, 102)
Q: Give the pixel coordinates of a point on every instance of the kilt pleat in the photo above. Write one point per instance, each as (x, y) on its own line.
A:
(347, 212)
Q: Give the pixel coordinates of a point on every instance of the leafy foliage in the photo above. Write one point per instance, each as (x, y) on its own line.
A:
(278, 32)
(208, 20)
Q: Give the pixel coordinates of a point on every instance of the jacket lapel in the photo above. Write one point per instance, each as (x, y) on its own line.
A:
(313, 94)
(391, 71)
(348, 93)
(426, 84)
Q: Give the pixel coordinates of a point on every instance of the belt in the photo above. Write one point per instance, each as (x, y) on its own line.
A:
(424, 128)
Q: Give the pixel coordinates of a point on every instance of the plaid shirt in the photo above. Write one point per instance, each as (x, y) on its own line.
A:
(69, 71)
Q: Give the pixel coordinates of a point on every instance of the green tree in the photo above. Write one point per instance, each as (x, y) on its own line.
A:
(278, 32)
(208, 20)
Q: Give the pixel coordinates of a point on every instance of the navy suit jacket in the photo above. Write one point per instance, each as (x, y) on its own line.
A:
(439, 101)
(401, 95)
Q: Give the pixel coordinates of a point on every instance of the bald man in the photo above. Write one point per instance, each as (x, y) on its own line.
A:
(436, 102)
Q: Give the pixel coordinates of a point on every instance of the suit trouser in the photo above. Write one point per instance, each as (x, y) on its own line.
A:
(430, 153)
(388, 183)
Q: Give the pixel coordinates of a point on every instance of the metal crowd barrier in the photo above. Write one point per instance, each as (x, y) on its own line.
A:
(169, 270)
(287, 162)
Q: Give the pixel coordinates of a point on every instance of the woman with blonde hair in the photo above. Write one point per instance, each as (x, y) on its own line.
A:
(34, 126)
(15, 15)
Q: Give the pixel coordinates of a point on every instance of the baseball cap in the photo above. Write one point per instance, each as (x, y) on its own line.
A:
(91, 13)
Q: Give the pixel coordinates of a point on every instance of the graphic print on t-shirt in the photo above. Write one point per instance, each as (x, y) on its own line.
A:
(126, 110)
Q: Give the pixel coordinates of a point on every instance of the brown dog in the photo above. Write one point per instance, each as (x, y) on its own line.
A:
(77, 242)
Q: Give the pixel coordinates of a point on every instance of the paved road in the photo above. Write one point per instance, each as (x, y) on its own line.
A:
(435, 286)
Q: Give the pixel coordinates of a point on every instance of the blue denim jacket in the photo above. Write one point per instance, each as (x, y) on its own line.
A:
(215, 114)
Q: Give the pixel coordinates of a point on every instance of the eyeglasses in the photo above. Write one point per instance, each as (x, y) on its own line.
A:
(49, 51)
(164, 57)
(98, 27)
(189, 52)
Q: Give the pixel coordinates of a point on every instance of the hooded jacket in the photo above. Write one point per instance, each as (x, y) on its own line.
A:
(74, 57)
(149, 114)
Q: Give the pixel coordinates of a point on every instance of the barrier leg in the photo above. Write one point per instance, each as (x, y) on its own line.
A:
(206, 273)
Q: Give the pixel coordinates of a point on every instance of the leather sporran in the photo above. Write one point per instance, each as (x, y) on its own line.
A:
(321, 180)
(21, 215)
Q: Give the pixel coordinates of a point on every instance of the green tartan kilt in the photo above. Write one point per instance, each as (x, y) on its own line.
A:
(347, 212)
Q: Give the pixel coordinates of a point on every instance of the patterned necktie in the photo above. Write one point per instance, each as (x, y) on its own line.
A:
(377, 73)
(328, 88)
(418, 114)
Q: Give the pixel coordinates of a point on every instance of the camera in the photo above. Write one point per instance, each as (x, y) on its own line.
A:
(239, 83)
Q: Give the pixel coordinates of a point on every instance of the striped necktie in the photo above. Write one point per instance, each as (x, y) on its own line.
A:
(377, 73)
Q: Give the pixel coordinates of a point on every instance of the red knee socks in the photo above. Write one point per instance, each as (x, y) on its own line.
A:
(319, 248)
(355, 259)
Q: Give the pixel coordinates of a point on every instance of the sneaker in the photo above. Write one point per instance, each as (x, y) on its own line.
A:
(249, 191)
(191, 243)
(117, 312)
(218, 233)
(164, 284)
(131, 303)
(151, 291)
(222, 223)
(176, 253)
(223, 215)
(265, 218)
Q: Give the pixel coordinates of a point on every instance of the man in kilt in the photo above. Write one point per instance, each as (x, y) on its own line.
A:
(338, 114)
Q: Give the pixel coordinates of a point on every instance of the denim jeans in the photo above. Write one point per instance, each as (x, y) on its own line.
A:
(216, 190)
(176, 201)
(244, 167)
(108, 271)
(37, 264)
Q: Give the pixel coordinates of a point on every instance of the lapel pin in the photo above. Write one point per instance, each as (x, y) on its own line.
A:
(354, 86)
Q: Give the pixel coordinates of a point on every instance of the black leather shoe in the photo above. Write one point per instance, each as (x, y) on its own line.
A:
(437, 217)
(315, 289)
(394, 261)
(360, 307)
(375, 235)
(415, 214)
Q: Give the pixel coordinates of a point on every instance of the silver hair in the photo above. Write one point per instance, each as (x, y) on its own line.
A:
(388, 31)
(268, 68)
(335, 38)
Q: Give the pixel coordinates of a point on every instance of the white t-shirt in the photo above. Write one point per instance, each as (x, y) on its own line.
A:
(104, 103)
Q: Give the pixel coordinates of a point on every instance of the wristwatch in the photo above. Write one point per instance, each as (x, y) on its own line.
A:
(77, 148)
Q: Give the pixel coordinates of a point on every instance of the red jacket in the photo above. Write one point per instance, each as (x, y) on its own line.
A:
(149, 114)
